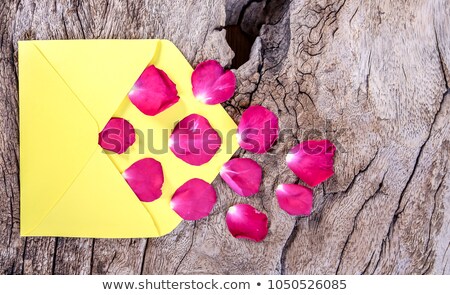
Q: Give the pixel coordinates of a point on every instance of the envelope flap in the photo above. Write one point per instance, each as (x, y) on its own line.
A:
(98, 204)
(57, 135)
(100, 72)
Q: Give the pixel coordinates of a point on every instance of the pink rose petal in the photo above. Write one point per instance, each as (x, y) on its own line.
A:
(242, 175)
(211, 84)
(295, 199)
(257, 130)
(153, 92)
(145, 178)
(194, 140)
(117, 136)
(194, 199)
(245, 222)
(312, 161)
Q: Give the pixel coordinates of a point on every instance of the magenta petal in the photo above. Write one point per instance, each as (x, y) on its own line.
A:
(257, 130)
(295, 199)
(211, 84)
(145, 178)
(242, 175)
(245, 222)
(117, 136)
(312, 161)
(153, 92)
(194, 199)
(194, 140)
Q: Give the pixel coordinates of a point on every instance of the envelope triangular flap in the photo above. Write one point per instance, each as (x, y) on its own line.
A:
(53, 127)
(100, 72)
(98, 204)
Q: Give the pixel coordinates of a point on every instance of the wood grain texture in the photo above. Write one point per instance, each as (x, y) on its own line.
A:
(372, 76)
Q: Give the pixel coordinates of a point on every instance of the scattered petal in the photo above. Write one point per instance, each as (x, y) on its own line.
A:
(145, 178)
(257, 130)
(153, 92)
(295, 199)
(245, 222)
(312, 161)
(243, 175)
(211, 84)
(194, 199)
(194, 140)
(117, 136)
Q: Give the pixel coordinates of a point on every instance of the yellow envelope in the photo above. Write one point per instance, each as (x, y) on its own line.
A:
(68, 91)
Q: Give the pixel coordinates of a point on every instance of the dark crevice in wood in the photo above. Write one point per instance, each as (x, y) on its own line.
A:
(430, 224)
(66, 32)
(110, 262)
(360, 172)
(92, 256)
(287, 245)
(188, 250)
(55, 252)
(260, 74)
(441, 60)
(438, 190)
(141, 271)
(427, 270)
(5, 185)
(353, 15)
(399, 211)
(241, 43)
(366, 268)
(368, 76)
(379, 255)
(24, 254)
(241, 39)
(443, 257)
(77, 7)
(11, 210)
(355, 220)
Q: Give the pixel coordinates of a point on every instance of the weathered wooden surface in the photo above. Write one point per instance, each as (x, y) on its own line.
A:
(373, 76)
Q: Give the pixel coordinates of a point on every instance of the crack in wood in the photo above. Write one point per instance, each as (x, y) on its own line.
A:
(366, 268)
(441, 60)
(141, 271)
(397, 211)
(55, 252)
(359, 173)
(24, 253)
(91, 266)
(77, 12)
(287, 245)
(380, 186)
(188, 250)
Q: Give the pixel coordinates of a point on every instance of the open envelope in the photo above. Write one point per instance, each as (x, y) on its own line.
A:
(68, 91)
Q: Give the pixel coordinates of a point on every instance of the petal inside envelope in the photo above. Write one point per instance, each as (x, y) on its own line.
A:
(69, 90)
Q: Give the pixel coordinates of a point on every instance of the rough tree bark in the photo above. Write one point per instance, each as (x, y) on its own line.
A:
(372, 76)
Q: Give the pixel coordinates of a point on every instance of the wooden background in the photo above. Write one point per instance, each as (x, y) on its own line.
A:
(371, 75)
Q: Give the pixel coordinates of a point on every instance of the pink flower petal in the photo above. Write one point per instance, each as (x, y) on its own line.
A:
(145, 178)
(242, 175)
(211, 84)
(245, 222)
(295, 199)
(153, 92)
(312, 161)
(194, 199)
(257, 130)
(117, 136)
(194, 140)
